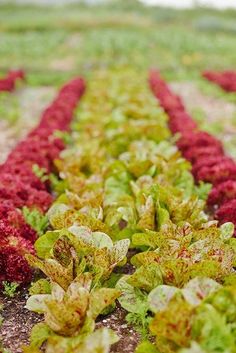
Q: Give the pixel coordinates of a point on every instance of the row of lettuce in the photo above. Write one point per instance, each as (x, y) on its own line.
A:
(9, 82)
(225, 79)
(204, 151)
(129, 223)
(24, 194)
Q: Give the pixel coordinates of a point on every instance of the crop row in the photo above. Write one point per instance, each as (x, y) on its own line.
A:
(205, 152)
(24, 194)
(125, 189)
(8, 83)
(226, 79)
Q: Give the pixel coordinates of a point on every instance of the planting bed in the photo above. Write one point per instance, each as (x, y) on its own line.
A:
(226, 79)
(115, 229)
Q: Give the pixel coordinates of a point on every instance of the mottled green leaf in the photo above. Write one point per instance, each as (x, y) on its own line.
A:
(146, 277)
(159, 298)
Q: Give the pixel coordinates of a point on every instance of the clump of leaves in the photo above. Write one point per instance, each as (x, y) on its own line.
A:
(183, 253)
(98, 341)
(41, 173)
(67, 252)
(134, 299)
(191, 314)
(10, 288)
(70, 312)
(36, 219)
(62, 216)
(42, 286)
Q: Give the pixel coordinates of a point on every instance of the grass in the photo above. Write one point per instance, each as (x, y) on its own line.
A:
(53, 44)
(9, 108)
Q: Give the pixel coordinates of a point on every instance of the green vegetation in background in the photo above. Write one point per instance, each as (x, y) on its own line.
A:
(9, 108)
(54, 43)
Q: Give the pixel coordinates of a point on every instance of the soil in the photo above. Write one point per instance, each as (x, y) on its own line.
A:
(129, 338)
(17, 321)
(216, 110)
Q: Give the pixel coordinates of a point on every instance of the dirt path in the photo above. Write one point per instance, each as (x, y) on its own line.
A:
(32, 101)
(218, 113)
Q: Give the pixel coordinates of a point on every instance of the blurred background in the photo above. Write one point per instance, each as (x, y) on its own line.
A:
(55, 39)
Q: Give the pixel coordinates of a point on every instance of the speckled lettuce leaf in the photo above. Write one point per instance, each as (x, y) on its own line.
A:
(65, 312)
(224, 301)
(159, 298)
(178, 272)
(108, 259)
(198, 289)
(226, 231)
(100, 299)
(145, 258)
(210, 329)
(68, 217)
(93, 239)
(74, 310)
(146, 277)
(121, 213)
(132, 299)
(99, 341)
(119, 251)
(189, 210)
(146, 210)
(101, 253)
(194, 292)
(44, 244)
(54, 270)
(101, 240)
(42, 286)
(39, 334)
(174, 323)
(36, 303)
(56, 210)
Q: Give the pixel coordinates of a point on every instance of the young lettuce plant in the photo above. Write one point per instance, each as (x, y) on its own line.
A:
(35, 219)
(196, 315)
(62, 216)
(182, 253)
(67, 253)
(135, 289)
(69, 315)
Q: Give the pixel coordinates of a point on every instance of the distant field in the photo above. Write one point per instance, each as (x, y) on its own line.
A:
(54, 43)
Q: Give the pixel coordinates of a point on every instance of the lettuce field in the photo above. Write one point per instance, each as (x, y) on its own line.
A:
(117, 179)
